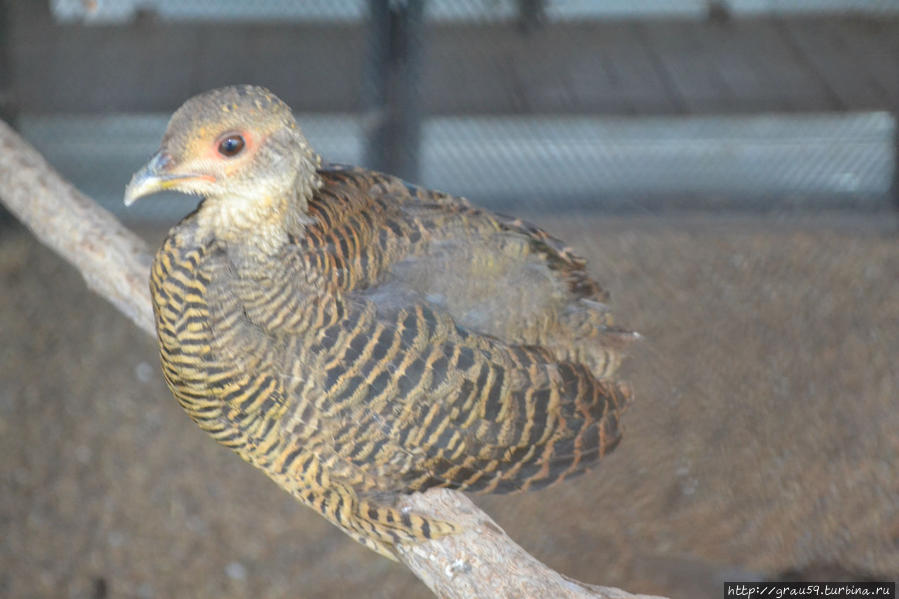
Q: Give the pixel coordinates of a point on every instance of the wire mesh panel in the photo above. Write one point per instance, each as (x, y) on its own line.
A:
(121, 11)
(111, 11)
(648, 163)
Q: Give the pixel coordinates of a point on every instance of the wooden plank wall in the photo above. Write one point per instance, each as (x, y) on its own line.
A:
(795, 64)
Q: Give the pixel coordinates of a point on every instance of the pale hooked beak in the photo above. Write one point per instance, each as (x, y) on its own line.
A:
(153, 178)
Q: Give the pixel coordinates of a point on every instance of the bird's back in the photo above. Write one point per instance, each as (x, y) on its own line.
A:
(396, 243)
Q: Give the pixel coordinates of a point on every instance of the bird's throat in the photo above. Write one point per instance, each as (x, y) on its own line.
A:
(260, 223)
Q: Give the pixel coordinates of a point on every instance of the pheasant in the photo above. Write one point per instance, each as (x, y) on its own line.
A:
(357, 337)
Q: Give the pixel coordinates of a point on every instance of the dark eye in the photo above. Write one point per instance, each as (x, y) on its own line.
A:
(231, 145)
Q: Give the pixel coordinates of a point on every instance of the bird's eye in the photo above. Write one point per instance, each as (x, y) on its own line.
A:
(231, 145)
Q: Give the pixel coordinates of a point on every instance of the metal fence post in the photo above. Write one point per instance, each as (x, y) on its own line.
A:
(894, 188)
(392, 87)
(531, 14)
(7, 103)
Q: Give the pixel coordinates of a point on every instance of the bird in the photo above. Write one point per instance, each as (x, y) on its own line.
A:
(358, 337)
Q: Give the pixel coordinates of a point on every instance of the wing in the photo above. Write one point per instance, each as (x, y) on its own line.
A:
(495, 275)
(410, 400)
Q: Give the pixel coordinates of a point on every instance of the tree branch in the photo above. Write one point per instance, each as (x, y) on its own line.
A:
(114, 262)
(479, 562)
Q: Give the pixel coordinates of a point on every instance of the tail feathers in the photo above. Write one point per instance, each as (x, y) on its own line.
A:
(585, 429)
(587, 334)
(599, 348)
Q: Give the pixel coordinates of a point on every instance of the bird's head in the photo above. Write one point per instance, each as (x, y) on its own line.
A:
(241, 149)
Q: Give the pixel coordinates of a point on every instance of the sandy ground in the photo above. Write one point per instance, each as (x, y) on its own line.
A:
(763, 442)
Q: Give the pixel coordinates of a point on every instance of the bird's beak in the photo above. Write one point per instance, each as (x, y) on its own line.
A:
(157, 176)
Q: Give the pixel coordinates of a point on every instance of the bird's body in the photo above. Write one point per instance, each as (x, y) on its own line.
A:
(357, 337)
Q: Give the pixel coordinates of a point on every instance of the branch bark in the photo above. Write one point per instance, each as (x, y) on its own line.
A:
(479, 562)
(114, 262)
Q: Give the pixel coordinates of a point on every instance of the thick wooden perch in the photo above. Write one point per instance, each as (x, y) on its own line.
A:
(479, 562)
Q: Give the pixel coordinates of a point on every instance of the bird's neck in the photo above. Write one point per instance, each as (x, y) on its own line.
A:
(257, 223)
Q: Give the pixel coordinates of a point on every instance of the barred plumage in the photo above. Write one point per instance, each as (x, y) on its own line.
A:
(357, 337)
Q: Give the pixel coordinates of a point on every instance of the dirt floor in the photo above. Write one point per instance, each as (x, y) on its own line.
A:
(763, 442)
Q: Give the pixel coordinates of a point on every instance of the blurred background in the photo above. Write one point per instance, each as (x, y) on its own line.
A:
(728, 167)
